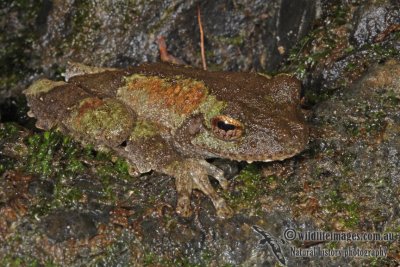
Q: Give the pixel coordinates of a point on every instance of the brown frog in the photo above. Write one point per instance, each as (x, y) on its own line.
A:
(170, 119)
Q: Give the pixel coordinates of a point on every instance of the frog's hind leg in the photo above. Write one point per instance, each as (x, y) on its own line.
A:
(216, 173)
(193, 174)
(184, 187)
(202, 183)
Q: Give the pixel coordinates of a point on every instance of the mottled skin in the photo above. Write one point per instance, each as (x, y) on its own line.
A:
(170, 119)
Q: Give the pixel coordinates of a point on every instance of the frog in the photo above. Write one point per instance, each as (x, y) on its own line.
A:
(172, 119)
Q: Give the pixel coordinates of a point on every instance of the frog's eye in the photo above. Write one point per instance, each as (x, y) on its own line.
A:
(226, 128)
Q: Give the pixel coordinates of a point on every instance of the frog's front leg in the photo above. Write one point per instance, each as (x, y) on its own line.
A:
(193, 174)
(148, 150)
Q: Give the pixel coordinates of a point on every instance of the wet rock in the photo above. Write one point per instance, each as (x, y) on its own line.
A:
(238, 35)
(66, 225)
(373, 19)
(348, 179)
(41, 188)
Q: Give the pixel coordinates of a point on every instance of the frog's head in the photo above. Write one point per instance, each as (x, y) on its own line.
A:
(255, 119)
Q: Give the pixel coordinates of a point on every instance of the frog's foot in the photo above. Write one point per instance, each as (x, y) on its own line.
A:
(216, 173)
(193, 174)
(184, 187)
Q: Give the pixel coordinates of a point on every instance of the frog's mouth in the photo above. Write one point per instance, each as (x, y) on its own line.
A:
(259, 147)
(261, 150)
(266, 157)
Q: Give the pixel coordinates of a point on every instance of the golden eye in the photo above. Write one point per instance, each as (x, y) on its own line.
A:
(226, 128)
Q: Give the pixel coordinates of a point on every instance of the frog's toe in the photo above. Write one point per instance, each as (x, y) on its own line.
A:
(216, 173)
(193, 174)
(184, 187)
(183, 206)
(223, 210)
(224, 183)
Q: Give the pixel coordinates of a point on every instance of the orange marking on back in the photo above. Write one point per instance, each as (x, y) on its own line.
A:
(85, 106)
(181, 95)
(89, 104)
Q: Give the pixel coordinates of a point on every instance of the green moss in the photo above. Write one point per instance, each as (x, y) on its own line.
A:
(41, 150)
(249, 187)
(372, 123)
(301, 62)
(12, 261)
(122, 167)
(8, 130)
(57, 158)
(351, 210)
(68, 195)
(340, 14)
(381, 51)
(314, 97)
(391, 99)
(236, 40)
(351, 128)
(81, 18)
(44, 148)
(82, 14)
(347, 159)
(319, 49)
(351, 66)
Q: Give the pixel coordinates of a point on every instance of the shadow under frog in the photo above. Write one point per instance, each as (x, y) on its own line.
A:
(170, 119)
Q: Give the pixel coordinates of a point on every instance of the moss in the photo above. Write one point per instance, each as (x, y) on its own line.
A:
(391, 99)
(81, 18)
(302, 62)
(57, 158)
(44, 149)
(8, 130)
(314, 97)
(12, 261)
(41, 150)
(351, 128)
(351, 210)
(328, 44)
(236, 40)
(347, 159)
(249, 187)
(381, 51)
(122, 167)
(373, 121)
